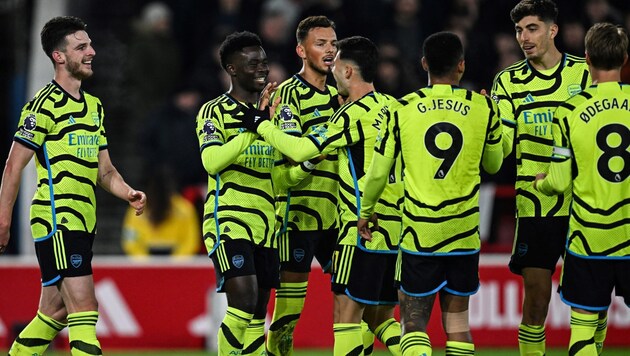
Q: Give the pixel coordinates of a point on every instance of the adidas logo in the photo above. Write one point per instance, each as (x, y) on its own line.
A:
(226, 230)
(64, 220)
(316, 113)
(529, 98)
(71, 120)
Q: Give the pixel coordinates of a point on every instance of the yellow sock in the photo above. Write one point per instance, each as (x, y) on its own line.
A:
(389, 334)
(232, 331)
(255, 338)
(289, 304)
(600, 333)
(82, 333)
(583, 328)
(368, 339)
(415, 343)
(458, 348)
(348, 339)
(531, 340)
(36, 336)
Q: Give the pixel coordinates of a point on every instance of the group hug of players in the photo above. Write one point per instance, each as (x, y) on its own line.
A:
(384, 191)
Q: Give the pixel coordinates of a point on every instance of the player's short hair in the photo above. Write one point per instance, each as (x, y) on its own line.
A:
(362, 52)
(234, 43)
(546, 10)
(606, 46)
(442, 52)
(310, 23)
(54, 32)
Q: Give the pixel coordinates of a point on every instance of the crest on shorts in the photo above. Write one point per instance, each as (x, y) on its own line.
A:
(522, 249)
(76, 260)
(238, 261)
(298, 254)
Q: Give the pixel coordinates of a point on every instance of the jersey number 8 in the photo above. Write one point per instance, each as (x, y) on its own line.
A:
(619, 152)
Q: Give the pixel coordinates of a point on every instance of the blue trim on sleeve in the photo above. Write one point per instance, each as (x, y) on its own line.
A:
(26, 143)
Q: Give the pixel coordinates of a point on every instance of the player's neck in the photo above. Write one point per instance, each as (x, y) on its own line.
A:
(599, 76)
(444, 80)
(314, 78)
(70, 84)
(243, 95)
(359, 89)
(548, 60)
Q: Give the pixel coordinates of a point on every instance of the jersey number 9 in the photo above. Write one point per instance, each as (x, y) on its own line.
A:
(447, 155)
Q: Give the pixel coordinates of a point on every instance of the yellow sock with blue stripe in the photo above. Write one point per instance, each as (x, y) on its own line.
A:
(368, 339)
(389, 334)
(458, 348)
(531, 340)
(348, 339)
(583, 328)
(82, 333)
(415, 343)
(600, 333)
(288, 308)
(36, 336)
(255, 338)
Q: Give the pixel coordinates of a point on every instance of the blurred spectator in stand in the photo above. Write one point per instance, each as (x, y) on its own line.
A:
(403, 28)
(153, 64)
(277, 72)
(169, 138)
(572, 37)
(390, 77)
(601, 11)
(507, 51)
(278, 38)
(208, 75)
(169, 226)
(335, 10)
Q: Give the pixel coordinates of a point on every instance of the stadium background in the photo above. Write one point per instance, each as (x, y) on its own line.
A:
(183, 56)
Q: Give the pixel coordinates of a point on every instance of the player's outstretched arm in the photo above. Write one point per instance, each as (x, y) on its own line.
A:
(375, 181)
(19, 156)
(110, 179)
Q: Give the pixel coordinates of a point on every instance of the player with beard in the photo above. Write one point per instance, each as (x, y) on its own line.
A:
(307, 212)
(62, 126)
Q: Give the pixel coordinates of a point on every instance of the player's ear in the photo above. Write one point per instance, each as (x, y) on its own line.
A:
(299, 49)
(425, 66)
(461, 66)
(588, 58)
(231, 70)
(59, 57)
(348, 70)
(553, 30)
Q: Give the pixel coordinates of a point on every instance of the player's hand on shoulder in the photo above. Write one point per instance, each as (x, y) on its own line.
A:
(137, 200)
